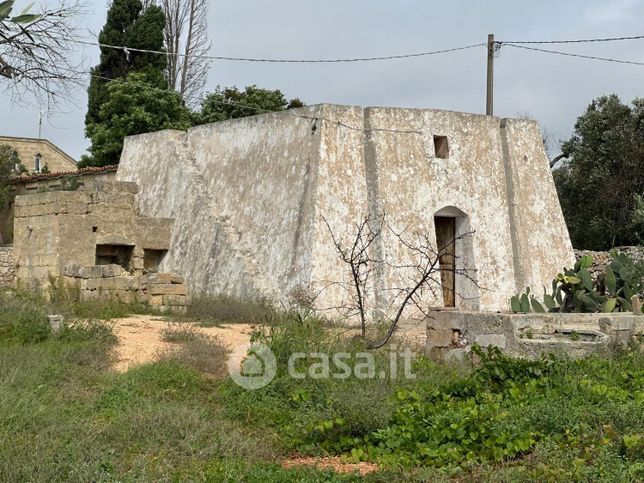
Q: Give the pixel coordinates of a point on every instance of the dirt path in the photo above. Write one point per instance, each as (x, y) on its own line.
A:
(140, 338)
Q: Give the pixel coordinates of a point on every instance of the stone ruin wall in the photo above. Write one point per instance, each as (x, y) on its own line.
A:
(7, 266)
(82, 180)
(602, 259)
(97, 243)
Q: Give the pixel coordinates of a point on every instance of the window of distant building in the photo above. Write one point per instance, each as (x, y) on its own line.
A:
(38, 163)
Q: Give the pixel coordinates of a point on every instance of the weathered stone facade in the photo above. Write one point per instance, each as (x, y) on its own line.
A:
(251, 198)
(50, 154)
(7, 266)
(76, 180)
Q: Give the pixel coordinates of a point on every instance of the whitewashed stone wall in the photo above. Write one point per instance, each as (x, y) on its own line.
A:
(251, 199)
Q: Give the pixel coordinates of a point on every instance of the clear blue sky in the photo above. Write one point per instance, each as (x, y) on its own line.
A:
(552, 89)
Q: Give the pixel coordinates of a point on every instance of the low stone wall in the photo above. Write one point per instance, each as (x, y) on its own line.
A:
(161, 290)
(451, 334)
(7, 266)
(601, 259)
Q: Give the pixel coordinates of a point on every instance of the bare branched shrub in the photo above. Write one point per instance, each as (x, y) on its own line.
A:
(419, 274)
(38, 51)
(179, 333)
(357, 255)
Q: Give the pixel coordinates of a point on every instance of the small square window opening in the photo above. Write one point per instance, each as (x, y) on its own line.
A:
(441, 147)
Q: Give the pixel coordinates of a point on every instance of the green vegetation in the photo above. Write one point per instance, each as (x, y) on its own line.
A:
(115, 109)
(231, 103)
(9, 161)
(223, 309)
(576, 291)
(65, 416)
(602, 184)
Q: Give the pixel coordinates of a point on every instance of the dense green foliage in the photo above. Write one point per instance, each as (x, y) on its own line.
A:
(549, 419)
(602, 184)
(231, 103)
(128, 23)
(8, 159)
(134, 108)
(575, 290)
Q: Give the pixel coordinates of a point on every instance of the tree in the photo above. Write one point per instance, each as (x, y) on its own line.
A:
(37, 50)
(231, 103)
(601, 184)
(128, 24)
(10, 167)
(133, 107)
(186, 41)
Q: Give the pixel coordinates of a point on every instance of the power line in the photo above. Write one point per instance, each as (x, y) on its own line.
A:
(576, 41)
(284, 61)
(570, 54)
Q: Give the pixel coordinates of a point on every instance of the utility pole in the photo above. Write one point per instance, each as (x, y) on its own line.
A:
(39, 124)
(489, 109)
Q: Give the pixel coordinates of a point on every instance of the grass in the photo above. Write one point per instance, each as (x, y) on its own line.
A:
(211, 311)
(65, 416)
(203, 353)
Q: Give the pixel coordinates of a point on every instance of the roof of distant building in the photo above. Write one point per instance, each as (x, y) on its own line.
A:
(61, 174)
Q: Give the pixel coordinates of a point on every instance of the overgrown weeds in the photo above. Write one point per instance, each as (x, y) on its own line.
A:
(201, 352)
(222, 309)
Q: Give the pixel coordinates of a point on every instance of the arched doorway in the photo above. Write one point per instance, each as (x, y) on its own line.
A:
(454, 243)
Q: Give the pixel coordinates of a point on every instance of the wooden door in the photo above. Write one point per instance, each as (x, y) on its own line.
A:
(445, 241)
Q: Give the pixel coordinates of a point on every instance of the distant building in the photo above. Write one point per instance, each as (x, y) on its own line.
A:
(35, 154)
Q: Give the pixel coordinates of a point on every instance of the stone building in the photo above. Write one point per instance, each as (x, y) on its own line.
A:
(251, 199)
(85, 178)
(35, 154)
(93, 240)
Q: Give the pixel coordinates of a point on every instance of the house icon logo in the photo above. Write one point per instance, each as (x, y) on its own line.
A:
(252, 366)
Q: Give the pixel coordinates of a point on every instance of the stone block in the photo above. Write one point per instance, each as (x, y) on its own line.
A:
(175, 300)
(56, 322)
(162, 278)
(166, 289)
(73, 270)
(491, 340)
(616, 324)
(112, 271)
(155, 300)
(439, 338)
(94, 271)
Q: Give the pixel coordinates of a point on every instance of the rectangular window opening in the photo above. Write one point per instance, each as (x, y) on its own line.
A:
(441, 147)
(114, 255)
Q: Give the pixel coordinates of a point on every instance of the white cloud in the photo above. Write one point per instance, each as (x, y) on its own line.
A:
(611, 11)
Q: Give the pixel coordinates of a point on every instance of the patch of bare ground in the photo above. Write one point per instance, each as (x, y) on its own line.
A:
(334, 463)
(141, 338)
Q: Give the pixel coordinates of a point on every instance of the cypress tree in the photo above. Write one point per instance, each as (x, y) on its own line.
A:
(128, 24)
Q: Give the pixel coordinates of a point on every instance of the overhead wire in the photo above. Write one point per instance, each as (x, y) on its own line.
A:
(576, 41)
(286, 61)
(571, 54)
